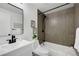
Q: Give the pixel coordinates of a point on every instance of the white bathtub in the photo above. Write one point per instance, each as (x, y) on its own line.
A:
(20, 48)
(59, 50)
(55, 49)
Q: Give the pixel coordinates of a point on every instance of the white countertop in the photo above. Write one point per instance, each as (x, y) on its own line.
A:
(11, 47)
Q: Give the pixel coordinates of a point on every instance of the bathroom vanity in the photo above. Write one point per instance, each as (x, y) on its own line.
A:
(11, 22)
(20, 48)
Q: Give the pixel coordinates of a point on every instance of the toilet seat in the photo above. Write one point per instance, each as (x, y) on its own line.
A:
(41, 51)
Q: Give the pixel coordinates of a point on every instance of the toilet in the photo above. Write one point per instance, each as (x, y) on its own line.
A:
(39, 50)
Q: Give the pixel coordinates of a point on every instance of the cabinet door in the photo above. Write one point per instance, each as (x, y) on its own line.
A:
(4, 24)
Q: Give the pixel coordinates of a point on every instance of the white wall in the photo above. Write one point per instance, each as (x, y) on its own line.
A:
(30, 13)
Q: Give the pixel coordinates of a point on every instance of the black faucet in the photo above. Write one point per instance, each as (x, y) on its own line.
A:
(12, 40)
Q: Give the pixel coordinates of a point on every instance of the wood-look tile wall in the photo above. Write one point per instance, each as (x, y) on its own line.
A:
(60, 27)
(76, 15)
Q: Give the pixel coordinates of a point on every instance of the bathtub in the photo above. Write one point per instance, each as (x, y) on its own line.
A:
(54, 49)
(59, 50)
(20, 48)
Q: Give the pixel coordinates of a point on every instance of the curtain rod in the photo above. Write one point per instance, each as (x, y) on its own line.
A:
(56, 7)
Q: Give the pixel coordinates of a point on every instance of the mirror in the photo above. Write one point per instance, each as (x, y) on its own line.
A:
(12, 17)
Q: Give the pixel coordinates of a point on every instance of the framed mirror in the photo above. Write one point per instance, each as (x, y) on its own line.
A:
(11, 19)
(17, 20)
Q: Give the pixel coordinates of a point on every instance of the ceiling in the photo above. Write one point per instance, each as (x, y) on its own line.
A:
(45, 6)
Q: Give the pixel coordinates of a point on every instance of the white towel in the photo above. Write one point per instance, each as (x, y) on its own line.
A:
(76, 45)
